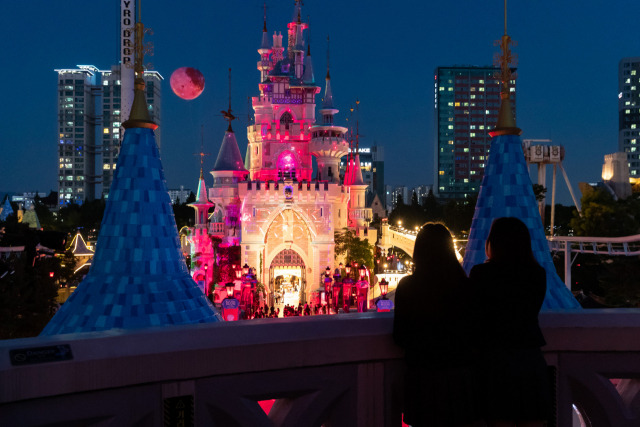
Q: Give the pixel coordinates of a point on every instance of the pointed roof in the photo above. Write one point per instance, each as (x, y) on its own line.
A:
(6, 209)
(507, 191)
(138, 277)
(247, 158)
(229, 157)
(79, 247)
(327, 102)
(30, 217)
(353, 173)
(308, 77)
(357, 171)
(265, 36)
(297, 11)
(201, 197)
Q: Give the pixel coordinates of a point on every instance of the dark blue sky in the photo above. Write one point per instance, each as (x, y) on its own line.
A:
(382, 52)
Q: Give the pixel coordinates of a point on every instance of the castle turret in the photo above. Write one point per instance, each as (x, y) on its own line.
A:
(328, 143)
(506, 191)
(200, 237)
(307, 77)
(264, 65)
(138, 277)
(227, 172)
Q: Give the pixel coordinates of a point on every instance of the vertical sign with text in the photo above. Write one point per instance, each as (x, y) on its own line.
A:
(127, 57)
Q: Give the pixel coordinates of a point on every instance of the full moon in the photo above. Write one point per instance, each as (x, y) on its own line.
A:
(187, 83)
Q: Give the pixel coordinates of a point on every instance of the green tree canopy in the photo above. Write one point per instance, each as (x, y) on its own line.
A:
(604, 216)
(353, 248)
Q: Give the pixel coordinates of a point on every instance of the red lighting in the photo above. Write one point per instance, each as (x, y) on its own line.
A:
(51, 274)
(363, 271)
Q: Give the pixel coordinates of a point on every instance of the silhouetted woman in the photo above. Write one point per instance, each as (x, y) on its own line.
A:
(509, 289)
(429, 323)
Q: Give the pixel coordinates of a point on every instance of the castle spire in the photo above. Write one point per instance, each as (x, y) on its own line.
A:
(506, 191)
(139, 116)
(327, 101)
(308, 77)
(264, 45)
(138, 276)
(506, 122)
(227, 114)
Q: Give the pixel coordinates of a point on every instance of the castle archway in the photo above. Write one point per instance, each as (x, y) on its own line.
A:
(287, 278)
(288, 253)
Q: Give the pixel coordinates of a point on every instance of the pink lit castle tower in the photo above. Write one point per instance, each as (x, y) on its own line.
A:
(282, 217)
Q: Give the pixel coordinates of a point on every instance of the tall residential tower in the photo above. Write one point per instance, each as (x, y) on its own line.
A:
(629, 112)
(89, 134)
(467, 100)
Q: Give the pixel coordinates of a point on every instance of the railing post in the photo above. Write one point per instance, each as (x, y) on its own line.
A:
(567, 264)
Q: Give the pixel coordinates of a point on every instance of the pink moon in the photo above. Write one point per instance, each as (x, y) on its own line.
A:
(187, 83)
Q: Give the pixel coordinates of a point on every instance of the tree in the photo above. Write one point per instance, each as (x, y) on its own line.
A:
(27, 296)
(431, 207)
(184, 214)
(604, 216)
(353, 248)
(414, 199)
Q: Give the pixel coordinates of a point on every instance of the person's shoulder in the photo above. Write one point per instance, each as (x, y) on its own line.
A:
(480, 268)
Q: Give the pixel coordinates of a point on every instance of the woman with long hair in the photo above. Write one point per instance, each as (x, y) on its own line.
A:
(508, 291)
(430, 323)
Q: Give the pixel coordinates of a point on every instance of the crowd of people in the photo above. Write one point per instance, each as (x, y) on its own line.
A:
(472, 344)
(287, 311)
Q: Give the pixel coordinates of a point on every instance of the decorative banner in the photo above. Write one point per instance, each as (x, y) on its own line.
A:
(127, 57)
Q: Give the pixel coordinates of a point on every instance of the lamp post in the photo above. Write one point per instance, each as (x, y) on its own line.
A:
(363, 289)
(383, 304)
(384, 288)
(347, 283)
(327, 288)
(245, 292)
(230, 305)
(337, 288)
(206, 281)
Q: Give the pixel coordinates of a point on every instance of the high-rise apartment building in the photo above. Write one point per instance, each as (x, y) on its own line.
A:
(629, 112)
(467, 101)
(89, 134)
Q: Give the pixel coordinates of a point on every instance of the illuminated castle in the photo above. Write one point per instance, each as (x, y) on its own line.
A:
(269, 204)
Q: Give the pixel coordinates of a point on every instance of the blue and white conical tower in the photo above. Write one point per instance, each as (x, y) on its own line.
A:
(138, 276)
(507, 191)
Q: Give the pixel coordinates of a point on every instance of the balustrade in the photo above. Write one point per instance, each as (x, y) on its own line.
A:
(342, 370)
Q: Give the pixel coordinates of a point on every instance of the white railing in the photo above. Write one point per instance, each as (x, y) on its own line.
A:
(620, 246)
(342, 370)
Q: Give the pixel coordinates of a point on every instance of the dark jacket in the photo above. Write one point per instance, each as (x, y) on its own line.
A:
(430, 320)
(507, 300)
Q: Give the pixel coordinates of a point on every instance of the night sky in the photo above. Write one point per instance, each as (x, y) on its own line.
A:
(382, 52)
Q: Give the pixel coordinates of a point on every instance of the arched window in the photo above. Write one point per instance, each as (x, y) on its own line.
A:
(286, 119)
